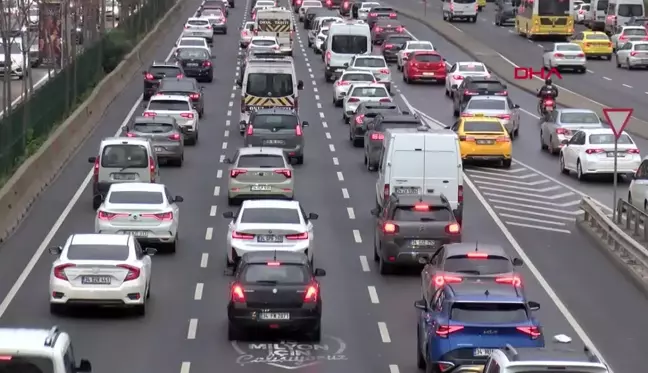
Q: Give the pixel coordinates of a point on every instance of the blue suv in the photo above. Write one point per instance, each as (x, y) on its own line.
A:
(461, 324)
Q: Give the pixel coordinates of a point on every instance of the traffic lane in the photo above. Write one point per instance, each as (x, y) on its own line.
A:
(525, 53)
(17, 86)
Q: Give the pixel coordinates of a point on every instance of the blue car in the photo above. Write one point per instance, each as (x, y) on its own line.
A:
(459, 325)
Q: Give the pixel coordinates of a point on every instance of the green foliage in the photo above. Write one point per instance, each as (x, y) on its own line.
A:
(115, 46)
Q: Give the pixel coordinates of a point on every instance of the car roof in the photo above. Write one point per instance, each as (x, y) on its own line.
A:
(270, 203)
(26, 340)
(276, 111)
(260, 150)
(169, 97)
(464, 248)
(171, 80)
(634, 27)
(357, 71)
(196, 19)
(103, 239)
(124, 140)
(484, 292)
(262, 257)
(262, 37)
(379, 105)
(599, 131)
(162, 119)
(137, 187)
(468, 63)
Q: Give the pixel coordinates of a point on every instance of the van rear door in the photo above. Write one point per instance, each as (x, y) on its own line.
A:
(407, 164)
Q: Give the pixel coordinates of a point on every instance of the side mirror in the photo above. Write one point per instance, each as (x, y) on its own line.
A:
(516, 106)
(178, 199)
(444, 60)
(565, 142)
(533, 306)
(505, 86)
(92, 159)
(343, 93)
(212, 57)
(518, 262)
(125, 129)
(228, 215)
(84, 366)
(634, 176)
(239, 82)
(227, 161)
(150, 251)
(420, 305)
(144, 72)
(305, 124)
(319, 272)
(300, 85)
(375, 212)
(312, 216)
(405, 112)
(55, 250)
(346, 65)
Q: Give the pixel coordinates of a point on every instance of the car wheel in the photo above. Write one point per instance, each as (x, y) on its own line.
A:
(563, 169)
(628, 63)
(315, 335)
(173, 245)
(57, 309)
(420, 359)
(96, 202)
(358, 142)
(383, 267)
(310, 45)
(447, 92)
(233, 334)
(232, 201)
(618, 65)
(140, 309)
(579, 171)
(507, 163)
(300, 159)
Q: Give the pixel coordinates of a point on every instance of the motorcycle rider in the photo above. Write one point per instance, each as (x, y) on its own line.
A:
(548, 90)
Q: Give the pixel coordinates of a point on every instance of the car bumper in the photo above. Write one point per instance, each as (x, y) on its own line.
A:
(249, 318)
(189, 131)
(198, 72)
(598, 54)
(406, 254)
(130, 293)
(425, 76)
(607, 166)
(219, 28)
(244, 191)
(14, 71)
(165, 233)
(169, 151)
(477, 157)
(638, 62)
(390, 54)
(245, 42)
(362, 16)
(242, 247)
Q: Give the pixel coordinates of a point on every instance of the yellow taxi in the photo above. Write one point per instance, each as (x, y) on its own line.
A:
(483, 138)
(481, 4)
(594, 44)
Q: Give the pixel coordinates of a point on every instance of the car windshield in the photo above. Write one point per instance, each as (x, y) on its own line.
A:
(630, 10)
(608, 139)
(579, 117)
(269, 84)
(124, 156)
(425, 57)
(489, 313)
(261, 161)
(357, 77)
(472, 68)
(369, 62)
(275, 274)
(193, 54)
(26, 364)
(478, 126)
(136, 197)
(96, 252)
(602, 5)
(168, 105)
(270, 215)
(153, 127)
(191, 42)
(369, 92)
(486, 105)
(430, 213)
(349, 44)
(568, 48)
(274, 122)
(478, 266)
(198, 22)
(165, 71)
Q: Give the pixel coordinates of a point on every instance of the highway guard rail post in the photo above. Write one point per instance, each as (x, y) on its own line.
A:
(632, 218)
(630, 256)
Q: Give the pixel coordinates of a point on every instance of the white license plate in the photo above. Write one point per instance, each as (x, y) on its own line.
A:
(428, 74)
(159, 149)
(407, 190)
(611, 154)
(137, 233)
(95, 280)
(458, 12)
(196, 33)
(260, 188)
(274, 316)
(192, 64)
(482, 352)
(422, 242)
(123, 176)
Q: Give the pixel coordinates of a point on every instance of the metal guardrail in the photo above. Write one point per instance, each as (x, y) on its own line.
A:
(632, 219)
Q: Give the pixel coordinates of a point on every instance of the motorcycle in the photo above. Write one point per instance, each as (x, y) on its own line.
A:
(546, 106)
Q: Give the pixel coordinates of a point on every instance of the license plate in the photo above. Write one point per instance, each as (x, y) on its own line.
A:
(95, 280)
(274, 316)
(406, 190)
(260, 188)
(428, 74)
(422, 242)
(269, 238)
(123, 176)
(274, 142)
(482, 352)
(485, 142)
(196, 33)
(192, 64)
(159, 149)
(458, 12)
(137, 233)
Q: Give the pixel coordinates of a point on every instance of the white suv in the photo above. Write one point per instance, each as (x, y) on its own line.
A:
(549, 359)
(38, 350)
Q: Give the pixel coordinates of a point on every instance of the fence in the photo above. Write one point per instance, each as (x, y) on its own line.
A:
(31, 121)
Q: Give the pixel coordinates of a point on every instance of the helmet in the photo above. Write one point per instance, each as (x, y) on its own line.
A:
(548, 81)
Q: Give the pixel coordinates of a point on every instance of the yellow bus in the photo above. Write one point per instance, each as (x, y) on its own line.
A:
(545, 18)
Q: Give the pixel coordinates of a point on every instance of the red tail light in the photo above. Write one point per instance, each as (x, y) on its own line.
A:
(164, 216)
(208, 27)
(393, 15)
(594, 151)
(342, 82)
(346, 5)
(441, 280)
(386, 190)
(149, 76)
(300, 236)
(580, 55)
(378, 29)
(359, 119)
(244, 33)
(187, 115)
(384, 71)
(298, 131)
(623, 37)
(453, 229)
(504, 116)
(104, 215)
(235, 172)
(388, 46)
(633, 151)
(610, 44)
(503, 139)
(179, 76)
(373, 14)
(95, 170)
(175, 137)
(421, 207)
(133, 272)
(559, 55)
(186, 27)
(130, 134)
(312, 294)
(377, 137)
(400, 29)
(207, 64)
(458, 77)
(470, 93)
(467, 138)
(385, 100)
(390, 228)
(286, 172)
(563, 131)
(503, 93)
(194, 96)
(328, 57)
(328, 2)
(532, 331)
(250, 130)
(149, 114)
(242, 236)
(549, 102)
(444, 330)
(513, 280)
(59, 271)
(152, 169)
(237, 295)
(633, 53)
(460, 194)
(466, 115)
(353, 99)
(581, 11)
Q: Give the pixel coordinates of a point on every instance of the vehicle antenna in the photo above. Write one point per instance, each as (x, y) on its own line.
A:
(274, 259)
(486, 293)
(476, 245)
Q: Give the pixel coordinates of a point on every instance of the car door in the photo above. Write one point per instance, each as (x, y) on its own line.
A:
(428, 318)
(573, 149)
(639, 186)
(144, 259)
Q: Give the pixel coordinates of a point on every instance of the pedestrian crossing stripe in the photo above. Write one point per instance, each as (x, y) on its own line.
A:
(287, 101)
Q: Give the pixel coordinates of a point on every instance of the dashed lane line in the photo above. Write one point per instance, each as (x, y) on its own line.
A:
(204, 260)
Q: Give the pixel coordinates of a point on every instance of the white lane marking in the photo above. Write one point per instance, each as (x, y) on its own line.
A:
(543, 221)
(356, 236)
(204, 260)
(232, 95)
(590, 71)
(373, 294)
(384, 333)
(364, 263)
(539, 227)
(328, 135)
(321, 115)
(527, 212)
(345, 193)
(317, 97)
(227, 123)
(606, 78)
(186, 367)
(627, 86)
(332, 147)
(224, 145)
(340, 176)
(319, 106)
(219, 174)
(193, 328)
(226, 134)
(229, 113)
(199, 291)
(230, 104)
(336, 161)
(351, 213)
(216, 190)
(212, 210)
(393, 368)
(221, 159)
(209, 233)
(324, 124)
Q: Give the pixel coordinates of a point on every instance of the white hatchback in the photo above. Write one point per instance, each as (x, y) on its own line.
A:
(460, 70)
(199, 27)
(349, 77)
(363, 92)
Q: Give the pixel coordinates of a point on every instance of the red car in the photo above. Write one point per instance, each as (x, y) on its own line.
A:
(426, 66)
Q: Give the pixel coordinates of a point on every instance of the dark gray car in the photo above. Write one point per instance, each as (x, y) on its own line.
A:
(184, 87)
(375, 134)
(505, 12)
(164, 133)
(365, 113)
(277, 127)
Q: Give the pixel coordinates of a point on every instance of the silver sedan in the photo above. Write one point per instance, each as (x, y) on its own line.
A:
(499, 107)
(565, 56)
(562, 124)
(632, 54)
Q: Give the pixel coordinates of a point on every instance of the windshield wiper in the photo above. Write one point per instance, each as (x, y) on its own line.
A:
(268, 282)
(129, 166)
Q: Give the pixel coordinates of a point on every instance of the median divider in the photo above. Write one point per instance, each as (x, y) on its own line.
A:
(41, 169)
(503, 68)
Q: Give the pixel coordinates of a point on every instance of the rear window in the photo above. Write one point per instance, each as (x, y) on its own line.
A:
(153, 127)
(472, 68)
(369, 62)
(369, 92)
(164, 70)
(464, 1)
(385, 125)
(635, 32)
(608, 139)
(433, 213)
(26, 364)
(486, 105)
(270, 215)
(568, 48)
(596, 37)
(427, 58)
(583, 117)
(487, 313)
(480, 266)
(399, 40)
(281, 274)
(261, 161)
(136, 197)
(382, 9)
(192, 42)
(421, 46)
(349, 44)
(124, 155)
(630, 10)
(264, 42)
(602, 5)
(641, 47)
(489, 86)
(216, 13)
(169, 105)
(177, 86)
(358, 77)
(198, 22)
(474, 126)
(275, 122)
(193, 53)
(97, 252)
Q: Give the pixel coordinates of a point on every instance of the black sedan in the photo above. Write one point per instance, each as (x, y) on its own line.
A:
(184, 87)
(384, 28)
(196, 63)
(393, 44)
(365, 113)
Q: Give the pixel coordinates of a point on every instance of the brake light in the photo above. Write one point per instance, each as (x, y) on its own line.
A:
(470, 93)
(373, 14)
(59, 271)
(513, 280)
(298, 131)
(299, 236)
(378, 29)
(273, 264)
(133, 272)
(354, 99)
(562, 131)
(504, 116)
(194, 96)
(580, 55)
(594, 151)
(400, 29)
(388, 46)
(460, 194)
(242, 236)
(467, 138)
(244, 33)
(587, 45)
(390, 228)
(377, 137)
(208, 27)
(164, 216)
(453, 228)
(532, 331)
(466, 115)
(385, 99)
(503, 139)
(386, 190)
(633, 151)
(346, 5)
(175, 137)
(421, 207)
(549, 102)
(104, 215)
(458, 77)
(360, 119)
(130, 134)
(250, 130)
(149, 114)
(559, 55)
(342, 82)
(312, 294)
(207, 64)
(328, 57)
(149, 76)
(581, 11)
(328, 2)
(633, 53)
(152, 169)
(187, 27)
(179, 76)
(237, 295)
(384, 71)
(235, 172)
(623, 37)
(286, 172)
(503, 93)
(451, 7)
(187, 115)
(444, 330)
(441, 280)
(392, 15)
(95, 170)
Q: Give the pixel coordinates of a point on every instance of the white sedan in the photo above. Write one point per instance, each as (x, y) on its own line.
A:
(269, 225)
(632, 54)
(349, 77)
(565, 56)
(191, 42)
(98, 269)
(144, 210)
(365, 7)
(412, 46)
(264, 42)
(363, 92)
(460, 70)
(199, 27)
(591, 151)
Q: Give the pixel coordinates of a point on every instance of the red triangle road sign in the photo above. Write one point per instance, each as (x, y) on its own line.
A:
(617, 119)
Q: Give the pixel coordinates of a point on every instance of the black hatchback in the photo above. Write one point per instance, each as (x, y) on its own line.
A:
(275, 291)
(365, 113)
(393, 44)
(184, 87)
(196, 63)
(278, 128)
(158, 71)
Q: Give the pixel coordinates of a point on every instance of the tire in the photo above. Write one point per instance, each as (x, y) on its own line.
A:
(233, 334)
(618, 65)
(172, 246)
(232, 201)
(310, 45)
(473, 19)
(507, 163)
(96, 202)
(177, 162)
(210, 79)
(300, 159)
(579, 171)
(225, 32)
(561, 162)
(315, 335)
(420, 359)
(140, 309)
(358, 142)
(543, 146)
(383, 267)
(57, 309)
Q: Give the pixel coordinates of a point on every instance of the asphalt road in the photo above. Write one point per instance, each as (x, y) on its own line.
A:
(39, 76)
(582, 294)
(603, 83)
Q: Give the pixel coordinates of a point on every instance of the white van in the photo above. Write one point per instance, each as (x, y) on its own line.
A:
(619, 13)
(344, 41)
(460, 9)
(421, 161)
(595, 19)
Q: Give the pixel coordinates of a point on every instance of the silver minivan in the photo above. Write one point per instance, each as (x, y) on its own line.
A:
(460, 9)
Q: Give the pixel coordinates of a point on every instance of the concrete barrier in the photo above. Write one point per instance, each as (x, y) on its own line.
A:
(503, 68)
(39, 170)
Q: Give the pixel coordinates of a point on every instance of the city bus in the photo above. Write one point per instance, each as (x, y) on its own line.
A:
(545, 18)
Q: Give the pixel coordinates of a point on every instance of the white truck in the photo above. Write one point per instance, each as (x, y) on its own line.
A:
(15, 65)
(277, 22)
